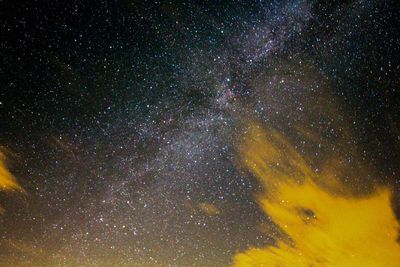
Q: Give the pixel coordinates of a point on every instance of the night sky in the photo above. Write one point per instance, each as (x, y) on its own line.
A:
(120, 120)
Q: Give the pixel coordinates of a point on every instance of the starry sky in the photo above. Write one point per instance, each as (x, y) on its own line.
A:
(120, 120)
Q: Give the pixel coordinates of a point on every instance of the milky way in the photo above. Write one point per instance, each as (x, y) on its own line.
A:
(121, 121)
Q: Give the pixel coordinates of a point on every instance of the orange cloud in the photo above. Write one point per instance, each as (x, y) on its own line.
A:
(7, 180)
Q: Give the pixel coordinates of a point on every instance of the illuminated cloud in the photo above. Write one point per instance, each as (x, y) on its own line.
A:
(7, 180)
(319, 226)
(202, 207)
(208, 208)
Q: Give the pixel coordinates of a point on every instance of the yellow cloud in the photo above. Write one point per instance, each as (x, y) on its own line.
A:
(319, 227)
(208, 208)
